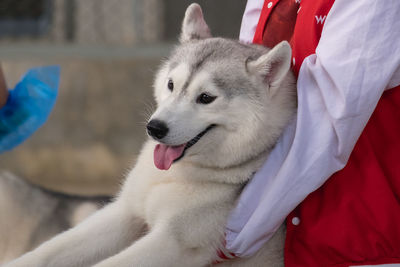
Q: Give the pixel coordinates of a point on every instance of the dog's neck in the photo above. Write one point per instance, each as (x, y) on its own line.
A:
(235, 174)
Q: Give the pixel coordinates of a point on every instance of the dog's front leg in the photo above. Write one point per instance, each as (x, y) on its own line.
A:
(159, 248)
(102, 235)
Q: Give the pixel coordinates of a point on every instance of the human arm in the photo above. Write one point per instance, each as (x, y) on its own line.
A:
(3, 89)
(358, 57)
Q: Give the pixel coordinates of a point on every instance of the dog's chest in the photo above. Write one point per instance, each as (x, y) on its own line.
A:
(165, 201)
(168, 199)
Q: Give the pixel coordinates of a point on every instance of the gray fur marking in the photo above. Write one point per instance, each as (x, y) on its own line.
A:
(221, 57)
(194, 69)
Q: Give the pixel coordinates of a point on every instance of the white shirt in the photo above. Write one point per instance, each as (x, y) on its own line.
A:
(357, 58)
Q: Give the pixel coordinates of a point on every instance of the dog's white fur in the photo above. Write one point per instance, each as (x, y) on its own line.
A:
(177, 217)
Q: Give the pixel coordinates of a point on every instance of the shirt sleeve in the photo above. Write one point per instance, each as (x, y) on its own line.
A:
(250, 19)
(357, 58)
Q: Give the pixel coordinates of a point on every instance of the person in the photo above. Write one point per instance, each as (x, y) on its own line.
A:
(346, 56)
(25, 108)
(3, 89)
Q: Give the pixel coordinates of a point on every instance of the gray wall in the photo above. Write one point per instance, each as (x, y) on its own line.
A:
(97, 127)
(98, 124)
(223, 16)
(121, 22)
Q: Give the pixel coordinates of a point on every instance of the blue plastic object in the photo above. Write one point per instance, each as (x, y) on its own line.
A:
(28, 105)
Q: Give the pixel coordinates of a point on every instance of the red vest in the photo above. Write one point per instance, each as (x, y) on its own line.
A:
(354, 218)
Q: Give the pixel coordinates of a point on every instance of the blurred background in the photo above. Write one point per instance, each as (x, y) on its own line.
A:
(108, 51)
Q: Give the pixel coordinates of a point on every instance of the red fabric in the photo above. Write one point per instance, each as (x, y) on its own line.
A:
(307, 32)
(281, 23)
(265, 12)
(354, 218)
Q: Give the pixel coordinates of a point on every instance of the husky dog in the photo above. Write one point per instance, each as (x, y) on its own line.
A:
(221, 107)
(31, 215)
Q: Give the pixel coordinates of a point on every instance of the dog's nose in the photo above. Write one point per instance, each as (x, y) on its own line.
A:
(157, 129)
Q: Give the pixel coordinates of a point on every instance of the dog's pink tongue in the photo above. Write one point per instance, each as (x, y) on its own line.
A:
(164, 155)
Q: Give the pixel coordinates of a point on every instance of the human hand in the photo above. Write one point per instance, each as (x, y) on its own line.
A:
(3, 89)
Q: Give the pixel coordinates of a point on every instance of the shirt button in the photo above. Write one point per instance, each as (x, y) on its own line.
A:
(294, 61)
(296, 221)
(269, 5)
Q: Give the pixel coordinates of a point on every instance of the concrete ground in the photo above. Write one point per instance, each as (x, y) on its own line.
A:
(98, 124)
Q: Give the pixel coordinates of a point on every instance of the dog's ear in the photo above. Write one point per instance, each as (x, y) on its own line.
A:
(272, 66)
(194, 26)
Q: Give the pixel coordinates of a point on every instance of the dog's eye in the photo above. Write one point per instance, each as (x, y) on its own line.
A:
(205, 99)
(170, 85)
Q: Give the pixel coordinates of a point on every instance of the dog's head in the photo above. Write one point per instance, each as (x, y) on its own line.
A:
(220, 103)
